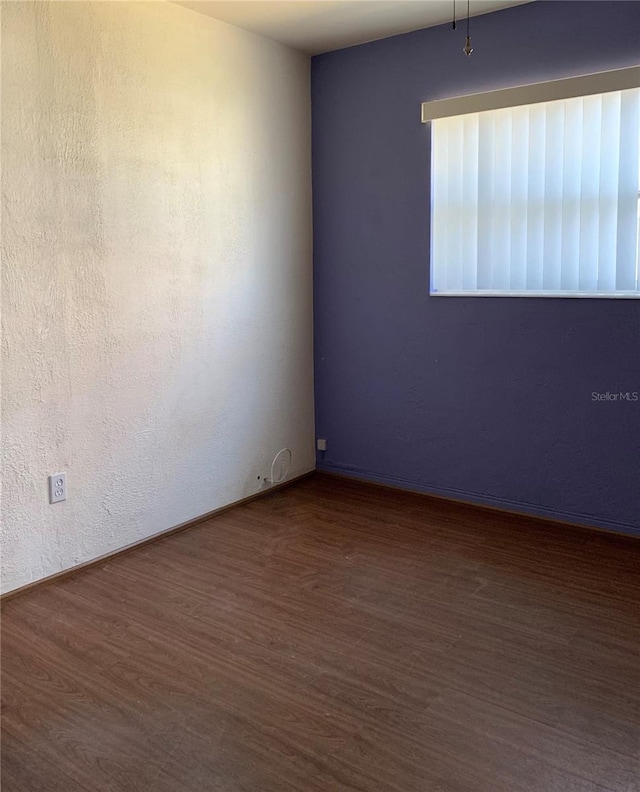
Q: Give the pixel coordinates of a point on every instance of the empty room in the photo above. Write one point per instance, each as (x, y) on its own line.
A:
(320, 385)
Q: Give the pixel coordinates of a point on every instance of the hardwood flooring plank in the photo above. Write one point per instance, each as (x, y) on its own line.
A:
(333, 636)
(555, 747)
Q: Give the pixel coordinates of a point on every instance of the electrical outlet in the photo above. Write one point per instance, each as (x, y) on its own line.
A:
(321, 444)
(57, 487)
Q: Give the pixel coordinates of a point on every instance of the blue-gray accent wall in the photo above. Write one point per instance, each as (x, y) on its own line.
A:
(482, 399)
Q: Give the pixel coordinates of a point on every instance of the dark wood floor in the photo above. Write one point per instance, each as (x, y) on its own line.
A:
(333, 636)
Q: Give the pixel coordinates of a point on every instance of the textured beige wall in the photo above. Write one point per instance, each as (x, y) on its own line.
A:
(156, 269)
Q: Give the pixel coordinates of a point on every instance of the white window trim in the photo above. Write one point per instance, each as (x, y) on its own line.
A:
(620, 295)
(602, 82)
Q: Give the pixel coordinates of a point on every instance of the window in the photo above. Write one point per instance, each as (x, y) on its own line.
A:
(535, 190)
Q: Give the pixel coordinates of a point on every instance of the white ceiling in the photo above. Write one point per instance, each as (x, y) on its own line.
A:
(316, 26)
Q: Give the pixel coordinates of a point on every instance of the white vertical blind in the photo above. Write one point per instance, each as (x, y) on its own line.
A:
(538, 199)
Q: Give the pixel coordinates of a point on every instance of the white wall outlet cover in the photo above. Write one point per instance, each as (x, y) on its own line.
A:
(321, 444)
(57, 487)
